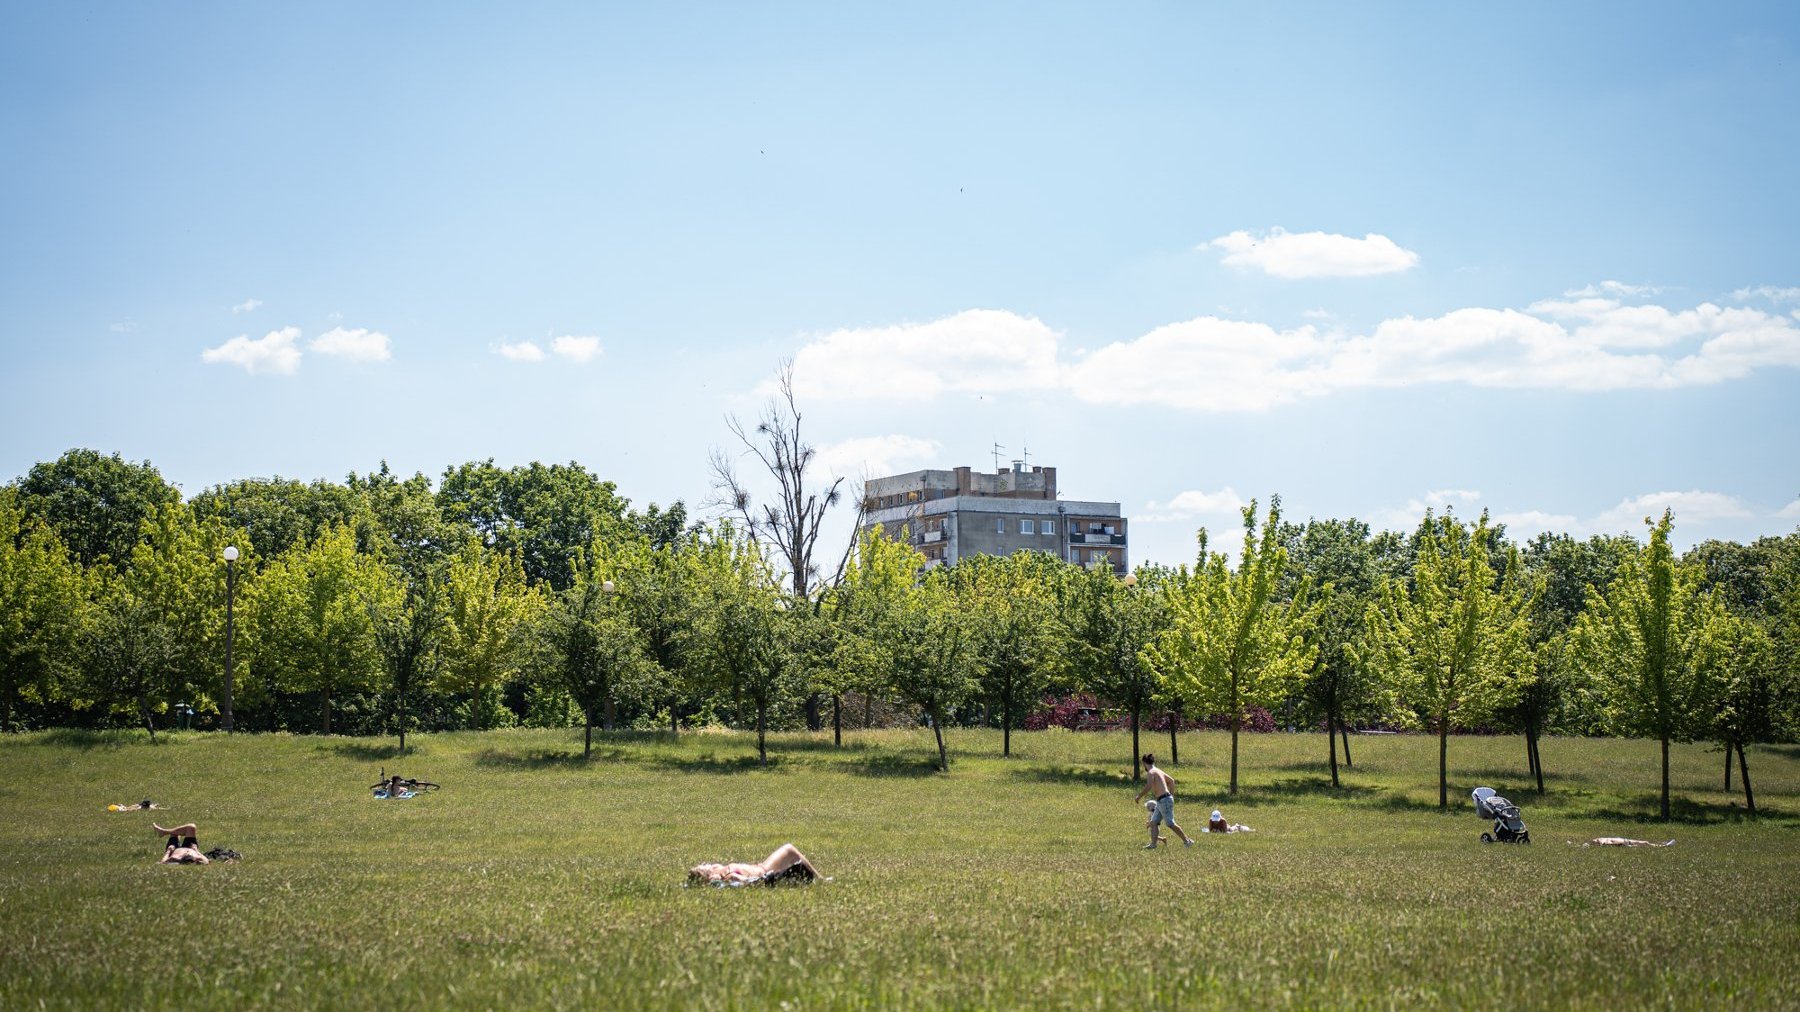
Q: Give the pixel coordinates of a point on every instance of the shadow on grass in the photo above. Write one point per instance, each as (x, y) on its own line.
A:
(75, 737)
(893, 766)
(1085, 775)
(1296, 788)
(1682, 811)
(365, 751)
(711, 763)
(544, 758)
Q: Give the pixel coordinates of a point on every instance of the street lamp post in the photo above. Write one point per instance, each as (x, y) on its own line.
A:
(231, 554)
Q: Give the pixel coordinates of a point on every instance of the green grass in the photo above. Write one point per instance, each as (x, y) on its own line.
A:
(536, 879)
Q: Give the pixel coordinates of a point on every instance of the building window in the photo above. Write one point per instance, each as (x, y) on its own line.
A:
(1046, 527)
(1024, 527)
(999, 525)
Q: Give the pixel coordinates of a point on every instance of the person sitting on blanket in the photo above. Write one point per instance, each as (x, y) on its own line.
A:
(183, 846)
(1217, 824)
(394, 788)
(786, 864)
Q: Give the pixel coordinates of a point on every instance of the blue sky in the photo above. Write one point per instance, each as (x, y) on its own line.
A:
(1372, 257)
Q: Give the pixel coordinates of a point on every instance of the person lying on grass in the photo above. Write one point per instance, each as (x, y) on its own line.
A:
(1621, 841)
(786, 864)
(142, 806)
(183, 846)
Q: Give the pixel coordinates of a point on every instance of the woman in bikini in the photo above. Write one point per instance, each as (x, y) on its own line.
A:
(183, 846)
(784, 865)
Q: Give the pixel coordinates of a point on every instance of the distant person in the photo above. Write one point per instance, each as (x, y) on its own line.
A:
(786, 864)
(183, 846)
(1161, 788)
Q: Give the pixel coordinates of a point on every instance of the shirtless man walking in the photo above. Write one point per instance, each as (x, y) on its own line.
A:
(1161, 787)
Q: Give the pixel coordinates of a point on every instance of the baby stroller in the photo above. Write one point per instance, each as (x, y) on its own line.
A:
(1508, 827)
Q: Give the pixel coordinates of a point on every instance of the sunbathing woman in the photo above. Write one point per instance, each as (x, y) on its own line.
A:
(787, 864)
(183, 846)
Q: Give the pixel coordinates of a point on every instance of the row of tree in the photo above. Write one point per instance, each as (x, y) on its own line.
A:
(536, 594)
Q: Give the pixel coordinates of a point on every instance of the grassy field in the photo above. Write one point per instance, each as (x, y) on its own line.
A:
(534, 878)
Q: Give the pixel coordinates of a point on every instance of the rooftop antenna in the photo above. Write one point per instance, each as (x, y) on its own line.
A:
(1025, 452)
(998, 450)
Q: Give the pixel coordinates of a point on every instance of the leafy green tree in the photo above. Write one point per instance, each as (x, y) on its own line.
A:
(1017, 638)
(1110, 625)
(400, 520)
(935, 656)
(1561, 572)
(129, 655)
(279, 515)
(594, 651)
(1231, 644)
(96, 504)
(745, 630)
(1646, 644)
(1453, 642)
(489, 610)
(659, 585)
(865, 608)
(1748, 689)
(177, 571)
(309, 620)
(1338, 558)
(543, 514)
(42, 595)
(408, 628)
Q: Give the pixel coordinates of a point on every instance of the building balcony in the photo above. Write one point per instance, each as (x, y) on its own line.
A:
(933, 536)
(1096, 539)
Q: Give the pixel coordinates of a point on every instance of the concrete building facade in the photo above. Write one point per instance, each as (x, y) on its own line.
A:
(951, 514)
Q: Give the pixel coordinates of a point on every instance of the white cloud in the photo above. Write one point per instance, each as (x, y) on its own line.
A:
(1692, 507)
(1286, 254)
(246, 306)
(1406, 517)
(1768, 292)
(1521, 526)
(978, 350)
(576, 349)
(124, 326)
(523, 351)
(875, 455)
(1613, 288)
(1194, 503)
(1789, 512)
(355, 345)
(274, 352)
(1206, 364)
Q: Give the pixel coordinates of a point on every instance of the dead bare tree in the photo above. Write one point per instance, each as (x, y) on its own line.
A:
(792, 522)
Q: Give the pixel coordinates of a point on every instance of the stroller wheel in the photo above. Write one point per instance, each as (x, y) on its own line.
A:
(1525, 837)
(1487, 838)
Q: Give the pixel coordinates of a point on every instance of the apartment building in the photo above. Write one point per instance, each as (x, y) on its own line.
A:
(951, 514)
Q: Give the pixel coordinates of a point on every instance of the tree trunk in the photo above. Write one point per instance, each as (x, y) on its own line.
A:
(815, 720)
(403, 721)
(149, 719)
(1006, 717)
(6, 708)
(837, 720)
(328, 709)
(1537, 760)
(674, 718)
(1344, 732)
(1174, 749)
(1665, 778)
(762, 748)
(868, 710)
(1235, 720)
(1444, 762)
(1727, 767)
(587, 736)
(1331, 746)
(609, 711)
(1136, 770)
(937, 727)
(1744, 775)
